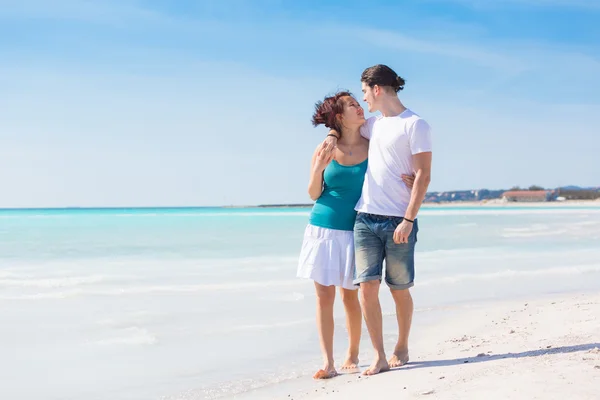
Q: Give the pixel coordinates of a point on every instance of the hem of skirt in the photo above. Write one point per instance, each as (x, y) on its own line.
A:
(351, 286)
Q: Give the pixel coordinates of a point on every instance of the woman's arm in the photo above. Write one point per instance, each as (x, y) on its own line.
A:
(331, 140)
(333, 135)
(320, 160)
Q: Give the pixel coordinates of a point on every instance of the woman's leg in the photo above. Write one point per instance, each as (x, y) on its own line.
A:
(325, 298)
(353, 325)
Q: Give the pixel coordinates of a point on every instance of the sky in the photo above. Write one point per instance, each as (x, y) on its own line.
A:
(206, 103)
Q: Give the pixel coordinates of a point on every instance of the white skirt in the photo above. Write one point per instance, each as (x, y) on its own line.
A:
(327, 257)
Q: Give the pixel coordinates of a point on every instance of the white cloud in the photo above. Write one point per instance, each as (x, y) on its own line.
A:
(533, 68)
(453, 49)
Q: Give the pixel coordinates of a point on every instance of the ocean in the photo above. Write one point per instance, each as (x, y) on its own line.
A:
(203, 303)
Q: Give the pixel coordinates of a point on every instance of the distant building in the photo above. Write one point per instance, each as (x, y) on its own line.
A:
(527, 195)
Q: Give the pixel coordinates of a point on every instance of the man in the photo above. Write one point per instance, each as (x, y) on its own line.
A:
(386, 225)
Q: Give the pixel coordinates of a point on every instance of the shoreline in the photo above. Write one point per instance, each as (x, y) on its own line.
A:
(507, 349)
(459, 204)
(453, 204)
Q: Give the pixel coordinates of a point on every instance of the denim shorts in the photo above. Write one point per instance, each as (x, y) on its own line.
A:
(374, 243)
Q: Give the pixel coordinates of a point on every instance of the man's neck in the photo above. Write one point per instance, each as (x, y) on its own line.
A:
(391, 107)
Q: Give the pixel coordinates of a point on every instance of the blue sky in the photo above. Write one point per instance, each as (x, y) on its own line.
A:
(142, 103)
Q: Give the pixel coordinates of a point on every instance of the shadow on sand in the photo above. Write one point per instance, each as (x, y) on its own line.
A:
(494, 357)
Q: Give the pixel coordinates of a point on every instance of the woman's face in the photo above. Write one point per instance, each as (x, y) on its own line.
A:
(353, 114)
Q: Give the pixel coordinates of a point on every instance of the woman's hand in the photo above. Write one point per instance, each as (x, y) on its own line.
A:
(324, 157)
(409, 180)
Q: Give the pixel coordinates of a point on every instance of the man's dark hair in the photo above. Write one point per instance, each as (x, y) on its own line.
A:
(382, 75)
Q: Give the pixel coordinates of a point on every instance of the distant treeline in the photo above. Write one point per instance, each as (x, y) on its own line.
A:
(569, 192)
(584, 194)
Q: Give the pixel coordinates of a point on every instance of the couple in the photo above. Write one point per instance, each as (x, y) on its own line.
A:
(369, 178)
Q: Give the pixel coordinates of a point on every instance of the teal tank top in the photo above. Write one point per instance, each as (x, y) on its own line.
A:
(341, 191)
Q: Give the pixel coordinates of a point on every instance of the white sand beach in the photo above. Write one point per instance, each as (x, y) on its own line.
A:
(138, 304)
(545, 348)
(531, 348)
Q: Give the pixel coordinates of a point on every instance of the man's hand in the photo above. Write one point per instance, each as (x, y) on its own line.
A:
(402, 232)
(409, 180)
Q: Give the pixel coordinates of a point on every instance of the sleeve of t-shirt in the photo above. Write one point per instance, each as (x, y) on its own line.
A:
(367, 128)
(420, 137)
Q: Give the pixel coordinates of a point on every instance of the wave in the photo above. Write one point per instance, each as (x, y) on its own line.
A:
(261, 327)
(136, 290)
(536, 230)
(51, 282)
(165, 215)
(504, 252)
(145, 262)
(37, 216)
(510, 273)
(586, 223)
(223, 214)
(534, 227)
(534, 233)
(509, 211)
(141, 290)
(425, 211)
(129, 336)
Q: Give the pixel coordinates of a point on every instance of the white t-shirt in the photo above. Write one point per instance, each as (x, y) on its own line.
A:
(393, 141)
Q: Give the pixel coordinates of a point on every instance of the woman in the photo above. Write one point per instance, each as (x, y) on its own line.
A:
(327, 255)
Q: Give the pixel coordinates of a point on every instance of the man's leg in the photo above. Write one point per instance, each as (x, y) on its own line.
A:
(353, 325)
(404, 312)
(400, 274)
(372, 313)
(369, 259)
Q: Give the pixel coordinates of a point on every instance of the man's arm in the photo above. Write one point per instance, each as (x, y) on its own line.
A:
(421, 149)
(331, 141)
(422, 166)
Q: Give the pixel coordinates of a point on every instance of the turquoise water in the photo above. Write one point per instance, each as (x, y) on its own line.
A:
(155, 303)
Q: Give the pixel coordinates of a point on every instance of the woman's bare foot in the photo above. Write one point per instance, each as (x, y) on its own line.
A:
(379, 365)
(325, 373)
(398, 359)
(350, 364)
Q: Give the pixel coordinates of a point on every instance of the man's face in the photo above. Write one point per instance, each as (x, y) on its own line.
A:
(369, 97)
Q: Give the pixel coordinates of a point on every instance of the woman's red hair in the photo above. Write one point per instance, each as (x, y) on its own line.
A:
(326, 111)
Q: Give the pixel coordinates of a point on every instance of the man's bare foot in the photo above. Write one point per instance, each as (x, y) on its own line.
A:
(398, 359)
(325, 373)
(350, 364)
(379, 365)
